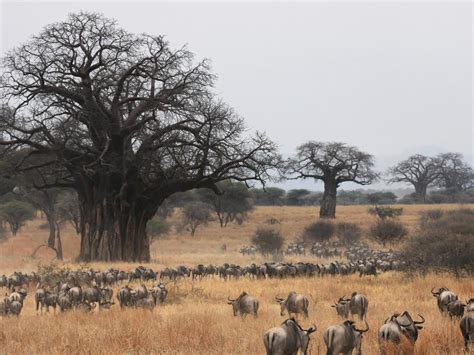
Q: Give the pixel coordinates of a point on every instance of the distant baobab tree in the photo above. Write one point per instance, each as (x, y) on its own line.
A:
(333, 164)
(126, 121)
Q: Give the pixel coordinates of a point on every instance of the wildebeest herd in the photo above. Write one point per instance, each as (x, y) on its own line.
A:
(84, 290)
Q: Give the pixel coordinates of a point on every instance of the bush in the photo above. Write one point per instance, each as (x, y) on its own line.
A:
(386, 212)
(268, 240)
(319, 231)
(429, 216)
(348, 233)
(388, 231)
(3, 232)
(444, 244)
(157, 227)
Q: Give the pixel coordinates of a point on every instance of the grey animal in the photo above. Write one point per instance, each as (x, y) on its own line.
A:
(358, 305)
(344, 338)
(92, 294)
(141, 292)
(456, 309)
(467, 325)
(45, 299)
(342, 307)
(295, 303)
(64, 302)
(287, 339)
(105, 305)
(15, 308)
(85, 307)
(75, 295)
(159, 293)
(244, 304)
(145, 303)
(443, 297)
(398, 327)
(124, 296)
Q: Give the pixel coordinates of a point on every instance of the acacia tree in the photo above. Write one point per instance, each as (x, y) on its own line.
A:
(418, 170)
(333, 164)
(127, 121)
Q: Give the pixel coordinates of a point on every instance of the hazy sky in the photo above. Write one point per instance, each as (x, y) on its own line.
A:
(392, 78)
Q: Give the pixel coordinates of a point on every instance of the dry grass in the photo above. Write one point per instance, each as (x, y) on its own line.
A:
(197, 319)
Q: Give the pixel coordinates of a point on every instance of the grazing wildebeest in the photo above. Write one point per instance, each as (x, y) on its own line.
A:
(141, 291)
(84, 307)
(287, 339)
(124, 296)
(359, 304)
(64, 302)
(45, 299)
(456, 309)
(295, 303)
(75, 295)
(344, 338)
(145, 303)
(92, 294)
(244, 304)
(159, 293)
(105, 305)
(396, 327)
(342, 307)
(4, 305)
(467, 325)
(443, 297)
(14, 308)
(3, 281)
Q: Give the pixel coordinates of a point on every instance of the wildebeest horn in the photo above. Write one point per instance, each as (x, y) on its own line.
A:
(228, 298)
(363, 330)
(279, 299)
(312, 329)
(434, 293)
(422, 320)
(401, 324)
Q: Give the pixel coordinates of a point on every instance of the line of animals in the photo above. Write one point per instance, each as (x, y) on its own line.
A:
(68, 294)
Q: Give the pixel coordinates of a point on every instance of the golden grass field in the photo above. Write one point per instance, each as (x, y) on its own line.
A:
(197, 320)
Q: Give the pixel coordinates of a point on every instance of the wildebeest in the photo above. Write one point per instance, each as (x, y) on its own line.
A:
(75, 295)
(46, 299)
(145, 303)
(342, 307)
(105, 305)
(398, 326)
(244, 304)
(85, 307)
(295, 303)
(456, 309)
(14, 308)
(443, 297)
(287, 339)
(467, 325)
(359, 304)
(344, 338)
(64, 302)
(124, 296)
(159, 293)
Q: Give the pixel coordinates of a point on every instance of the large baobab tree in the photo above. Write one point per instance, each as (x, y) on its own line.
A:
(418, 170)
(333, 164)
(127, 121)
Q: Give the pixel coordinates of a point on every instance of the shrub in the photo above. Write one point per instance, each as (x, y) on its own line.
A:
(267, 240)
(157, 227)
(348, 233)
(429, 216)
(386, 212)
(319, 231)
(387, 231)
(444, 244)
(3, 232)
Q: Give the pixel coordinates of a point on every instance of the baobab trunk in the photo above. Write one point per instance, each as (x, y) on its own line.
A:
(114, 231)
(328, 202)
(420, 192)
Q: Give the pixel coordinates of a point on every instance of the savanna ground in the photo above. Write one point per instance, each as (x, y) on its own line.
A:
(196, 318)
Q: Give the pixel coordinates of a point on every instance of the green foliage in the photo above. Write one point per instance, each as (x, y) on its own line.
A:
(444, 243)
(388, 231)
(270, 196)
(195, 214)
(385, 212)
(268, 240)
(158, 227)
(348, 233)
(319, 231)
(16, 213)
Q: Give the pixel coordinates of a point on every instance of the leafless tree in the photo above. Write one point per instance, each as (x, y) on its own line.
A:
(333, 164)
(455, 175)
(418, 170)
(128, 121)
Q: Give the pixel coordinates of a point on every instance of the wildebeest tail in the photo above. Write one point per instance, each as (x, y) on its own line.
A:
(268, 340)
(330, 341)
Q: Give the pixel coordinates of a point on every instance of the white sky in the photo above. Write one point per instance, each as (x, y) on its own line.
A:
(393, 78)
